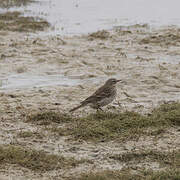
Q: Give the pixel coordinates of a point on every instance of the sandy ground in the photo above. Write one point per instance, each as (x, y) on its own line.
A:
(56, 73)
(146, 60)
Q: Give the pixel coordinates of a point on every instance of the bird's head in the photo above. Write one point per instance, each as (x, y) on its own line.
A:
(112, 81)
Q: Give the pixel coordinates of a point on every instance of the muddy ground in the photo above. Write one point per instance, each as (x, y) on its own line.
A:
(146, 59)
(70, 69)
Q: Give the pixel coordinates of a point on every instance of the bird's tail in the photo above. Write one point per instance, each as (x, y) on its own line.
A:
(76, 108)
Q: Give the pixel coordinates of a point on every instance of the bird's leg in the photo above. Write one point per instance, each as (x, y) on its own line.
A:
(100, 109)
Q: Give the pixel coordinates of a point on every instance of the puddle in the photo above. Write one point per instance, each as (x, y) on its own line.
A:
(83, 16)
(15, 82)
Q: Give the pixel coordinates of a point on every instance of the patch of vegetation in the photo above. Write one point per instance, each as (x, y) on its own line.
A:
(25, 134)
(172, 159)
(127, 125)
(14, 21)
(169, 113)
(99, 35)
(35, 160)
(104, 126)
(155, 131)
(49, 117)
(29, 134)
(171, 38)
(60, 131)
(171, 174)
(13, 3)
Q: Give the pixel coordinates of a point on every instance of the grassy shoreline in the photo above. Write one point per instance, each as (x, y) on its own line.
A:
(14, 21)
(34, 160)
(128, 174)
(14, 3)
(106, 126)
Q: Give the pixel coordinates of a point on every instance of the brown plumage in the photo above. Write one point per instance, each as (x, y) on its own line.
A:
(102, 97)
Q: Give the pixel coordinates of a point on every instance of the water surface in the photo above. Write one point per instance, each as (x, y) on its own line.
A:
(23, 81)
(69, 17)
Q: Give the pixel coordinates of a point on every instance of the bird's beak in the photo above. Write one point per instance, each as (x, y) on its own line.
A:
(119, 80)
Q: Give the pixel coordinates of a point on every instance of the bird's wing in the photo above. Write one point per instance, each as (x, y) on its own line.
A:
(98, 95)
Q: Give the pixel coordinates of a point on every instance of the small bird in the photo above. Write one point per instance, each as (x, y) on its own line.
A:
(102, 97)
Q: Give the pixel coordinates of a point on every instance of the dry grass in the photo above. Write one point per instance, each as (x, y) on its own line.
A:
(14, 21)
(46, 118)
(99, 35)
(105, 126)
(171, 174)
(30, 134)
(170, 159)
(169, 38)
(127, 125)
(35, 160)
(12, 3)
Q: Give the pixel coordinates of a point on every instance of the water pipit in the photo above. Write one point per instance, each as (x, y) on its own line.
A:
(102, 97)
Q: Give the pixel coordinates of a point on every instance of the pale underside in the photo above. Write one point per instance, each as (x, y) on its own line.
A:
(102, 102)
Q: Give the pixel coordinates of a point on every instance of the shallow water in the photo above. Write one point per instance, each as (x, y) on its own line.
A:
(69, 17)
(23, 81)
(74, 17)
